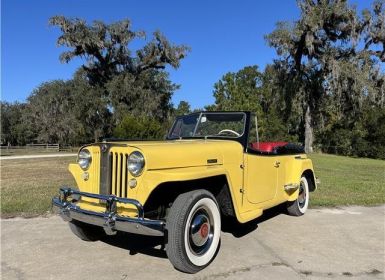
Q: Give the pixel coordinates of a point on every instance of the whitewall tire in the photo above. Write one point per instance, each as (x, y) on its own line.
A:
(299, 206)
(194, 230)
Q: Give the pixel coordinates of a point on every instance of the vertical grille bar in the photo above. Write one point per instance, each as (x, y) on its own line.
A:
(125, 186)
(113, 173)
(122, 186)
(109, 171)
(118, 174)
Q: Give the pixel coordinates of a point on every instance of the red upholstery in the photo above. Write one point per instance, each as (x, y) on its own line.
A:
(267, 147)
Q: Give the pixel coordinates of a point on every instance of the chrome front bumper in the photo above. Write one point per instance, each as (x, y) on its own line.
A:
(66, 206)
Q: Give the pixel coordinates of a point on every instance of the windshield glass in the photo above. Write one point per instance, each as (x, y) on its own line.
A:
(227, 125)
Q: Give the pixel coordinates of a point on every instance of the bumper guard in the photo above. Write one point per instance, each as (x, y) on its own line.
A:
(66, 206)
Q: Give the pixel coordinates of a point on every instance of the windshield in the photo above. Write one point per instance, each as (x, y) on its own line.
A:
(227, 125)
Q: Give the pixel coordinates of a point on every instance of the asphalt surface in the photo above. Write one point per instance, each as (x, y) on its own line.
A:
(37, 156)
(337, 243)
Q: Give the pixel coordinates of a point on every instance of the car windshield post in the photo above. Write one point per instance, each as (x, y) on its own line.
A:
(256, 129)
(196, 125)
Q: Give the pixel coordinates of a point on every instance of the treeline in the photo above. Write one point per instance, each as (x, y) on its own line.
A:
(72, 113)
(326, 89)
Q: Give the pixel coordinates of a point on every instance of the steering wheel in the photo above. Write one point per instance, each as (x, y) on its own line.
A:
(229, 130)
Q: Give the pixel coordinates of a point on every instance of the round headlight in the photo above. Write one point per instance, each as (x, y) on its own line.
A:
(84, 159)
(135, 163)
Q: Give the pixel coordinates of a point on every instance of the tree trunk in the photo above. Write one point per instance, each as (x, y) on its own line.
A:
(96, 135)
(309, 137)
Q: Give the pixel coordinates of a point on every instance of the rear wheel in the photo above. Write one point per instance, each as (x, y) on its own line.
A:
(299, 206)
(194, 229)
(86, 232)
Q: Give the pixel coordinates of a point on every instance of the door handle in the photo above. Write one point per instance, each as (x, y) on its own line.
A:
(277, 163)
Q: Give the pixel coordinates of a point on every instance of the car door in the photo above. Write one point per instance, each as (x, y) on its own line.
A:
(260, 177)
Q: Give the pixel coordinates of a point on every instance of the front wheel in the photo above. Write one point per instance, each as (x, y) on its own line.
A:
(86, 232)
(194, 230)
(299, 206)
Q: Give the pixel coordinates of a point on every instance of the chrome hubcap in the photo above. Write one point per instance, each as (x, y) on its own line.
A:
(302, 196)
(201, 232)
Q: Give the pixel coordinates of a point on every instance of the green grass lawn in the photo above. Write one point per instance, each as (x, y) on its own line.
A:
(27, 186)
(348, 181)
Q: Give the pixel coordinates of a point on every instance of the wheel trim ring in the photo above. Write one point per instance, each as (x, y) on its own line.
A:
(204, 259)
(303, 196)
(200, 248)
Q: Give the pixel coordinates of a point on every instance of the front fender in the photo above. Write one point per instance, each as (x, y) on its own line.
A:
(152, 179)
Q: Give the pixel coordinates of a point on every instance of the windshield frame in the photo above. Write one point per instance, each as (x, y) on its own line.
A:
(242, 139)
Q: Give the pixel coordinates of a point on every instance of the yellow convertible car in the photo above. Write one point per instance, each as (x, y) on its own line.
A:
(211, 165)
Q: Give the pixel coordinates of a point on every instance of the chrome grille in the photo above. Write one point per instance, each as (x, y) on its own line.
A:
(119, 174)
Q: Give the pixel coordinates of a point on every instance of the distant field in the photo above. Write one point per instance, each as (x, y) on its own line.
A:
(32, 151)
(27, 186)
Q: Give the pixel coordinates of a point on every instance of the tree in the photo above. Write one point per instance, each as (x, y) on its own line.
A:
(139, 128)
(319, 52)
(105, 48)
(183, 108)
(11, 122)
(148, 94)
(50, 113)
(130, 81)
(91, 108)
(372, 143)
(239, 91)
(250, 90)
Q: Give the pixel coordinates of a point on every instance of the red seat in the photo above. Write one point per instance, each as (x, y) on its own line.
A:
(267, 147)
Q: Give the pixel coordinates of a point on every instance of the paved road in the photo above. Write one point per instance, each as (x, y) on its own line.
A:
(37, 156)
(339, 243)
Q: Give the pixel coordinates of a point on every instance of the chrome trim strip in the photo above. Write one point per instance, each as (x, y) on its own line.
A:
(109, 220)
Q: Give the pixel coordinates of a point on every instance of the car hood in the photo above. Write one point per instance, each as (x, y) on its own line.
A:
(182, 153)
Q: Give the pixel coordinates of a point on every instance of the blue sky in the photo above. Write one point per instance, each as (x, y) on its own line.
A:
(223, 35)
